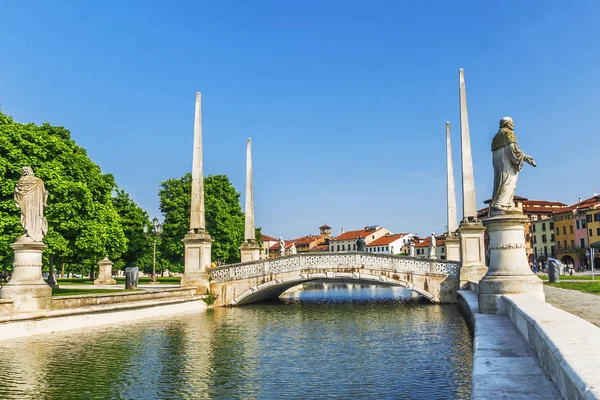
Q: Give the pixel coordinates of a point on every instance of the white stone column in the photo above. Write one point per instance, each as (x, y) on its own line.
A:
(468, 178)
(250, 249)
(105, 273)
(471, 231)
(451, 241)
(509, 271)
(27, 288)
(197, 242)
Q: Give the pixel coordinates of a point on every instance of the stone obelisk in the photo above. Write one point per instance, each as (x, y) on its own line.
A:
(471, 231)
(197, 242)
(451, 241)
(249, 250)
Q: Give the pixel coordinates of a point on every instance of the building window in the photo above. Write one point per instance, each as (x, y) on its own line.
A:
(387, 248)
(582, 243)
(343, 247)
(535, 239)
(577, 224)
(588, 218)
(553, 251)
(564, 230)
(533, 228)
(582, 223)
(331, 248)
(338, 247)
(571, 229)
(552, 237)
(597, 231)
(572, 243)
(544, 239)
(557, 231)
(551, 225)
(543, 226)
(597, 217)
(558, 245)
(591, 232)
(546, 251)
(565, 243)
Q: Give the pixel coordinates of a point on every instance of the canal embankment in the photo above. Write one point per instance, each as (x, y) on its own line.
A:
(91, 310)
(536, 351)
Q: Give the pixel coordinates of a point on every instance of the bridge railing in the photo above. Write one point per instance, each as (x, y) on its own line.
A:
(333, 260)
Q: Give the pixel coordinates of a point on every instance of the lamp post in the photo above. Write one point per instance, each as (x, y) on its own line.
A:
(156, 231)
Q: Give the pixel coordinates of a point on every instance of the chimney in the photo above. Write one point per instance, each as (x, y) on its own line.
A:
(342, 231)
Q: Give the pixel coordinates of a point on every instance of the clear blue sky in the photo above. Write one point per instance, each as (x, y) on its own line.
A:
(345, 101)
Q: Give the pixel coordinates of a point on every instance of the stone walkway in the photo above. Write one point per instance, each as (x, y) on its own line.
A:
(584, 305)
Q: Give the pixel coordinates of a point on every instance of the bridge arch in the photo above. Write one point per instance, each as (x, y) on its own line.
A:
(237, 284)
(275, 288)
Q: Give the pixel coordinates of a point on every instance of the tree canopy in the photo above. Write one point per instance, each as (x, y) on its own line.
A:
(83, 224)
(224, 218)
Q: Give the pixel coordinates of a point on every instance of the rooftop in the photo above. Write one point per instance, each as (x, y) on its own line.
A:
(385, 240)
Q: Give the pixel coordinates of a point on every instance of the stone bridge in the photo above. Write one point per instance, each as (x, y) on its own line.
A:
(243, 283)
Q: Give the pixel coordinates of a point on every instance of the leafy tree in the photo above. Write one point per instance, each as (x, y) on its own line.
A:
(139, 245)
(224, 218)
(84, 226)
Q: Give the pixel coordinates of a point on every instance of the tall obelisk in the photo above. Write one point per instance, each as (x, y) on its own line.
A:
(451, 242)
(468, 179)
(197, 242)
(471, 231)
(249, 250)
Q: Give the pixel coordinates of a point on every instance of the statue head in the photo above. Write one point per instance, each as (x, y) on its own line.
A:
(27, 171)
(507, 122)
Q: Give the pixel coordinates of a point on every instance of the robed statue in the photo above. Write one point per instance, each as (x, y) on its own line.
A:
(281, 247)
(31, 197)
(507, 160)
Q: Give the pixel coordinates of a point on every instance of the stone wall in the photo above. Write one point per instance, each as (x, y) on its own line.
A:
(86, 300)
(568, 347)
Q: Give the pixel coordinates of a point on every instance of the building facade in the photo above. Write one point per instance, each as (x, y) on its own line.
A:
(389, 244)
(346, 241)
(543, 239)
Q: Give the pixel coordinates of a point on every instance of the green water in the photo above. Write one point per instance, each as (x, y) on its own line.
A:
(346, 342)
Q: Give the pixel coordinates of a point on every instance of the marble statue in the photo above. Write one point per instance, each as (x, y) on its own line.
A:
(293, 249)
(31, 197)
(281, 247)
(360, 244)
(554, 270)
(432, 246)
(507, 161)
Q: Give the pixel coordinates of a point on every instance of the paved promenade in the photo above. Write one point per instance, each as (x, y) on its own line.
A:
(584, 305)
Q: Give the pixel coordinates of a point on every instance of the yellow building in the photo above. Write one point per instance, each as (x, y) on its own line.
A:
(571, 246)
(593, 225)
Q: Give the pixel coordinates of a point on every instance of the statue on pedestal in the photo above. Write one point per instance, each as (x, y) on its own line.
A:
(360, 244)
(30, 197)
(281, 247)
(293, 249)
(432, 246)
(507, 159)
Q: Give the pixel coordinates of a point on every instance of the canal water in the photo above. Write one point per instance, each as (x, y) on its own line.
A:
(333, 341)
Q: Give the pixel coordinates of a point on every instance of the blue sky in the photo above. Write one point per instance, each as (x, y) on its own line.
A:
(345, 101)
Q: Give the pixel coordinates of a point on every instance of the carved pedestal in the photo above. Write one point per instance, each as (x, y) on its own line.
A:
(197, 256)
(472, 252)
(452, 243)
(250, 251)
(27, 288)
(509, 272)
(105, 273)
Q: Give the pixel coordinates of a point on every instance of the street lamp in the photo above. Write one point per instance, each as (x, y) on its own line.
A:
(157, 230)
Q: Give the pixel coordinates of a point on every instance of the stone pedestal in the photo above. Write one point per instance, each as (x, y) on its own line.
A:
(509, 272)
(27, 288)
(452, 243)
(472, 252)
(197, 254)
(105, 273)
(250, 251)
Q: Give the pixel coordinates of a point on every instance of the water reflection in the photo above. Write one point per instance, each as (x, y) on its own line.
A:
(343, 342)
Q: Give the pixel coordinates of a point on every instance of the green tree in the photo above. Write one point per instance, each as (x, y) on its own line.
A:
(139, 245)
(84, 225)
(224, 218)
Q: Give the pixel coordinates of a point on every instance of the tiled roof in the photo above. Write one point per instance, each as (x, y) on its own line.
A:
(385, 240)
(288, 244)
(308, 239)
(355, 234)
(582, 204)
(427, 242)
(266, 238)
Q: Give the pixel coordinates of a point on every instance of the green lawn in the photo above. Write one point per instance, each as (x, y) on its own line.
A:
(75, 292)
(586, 287)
